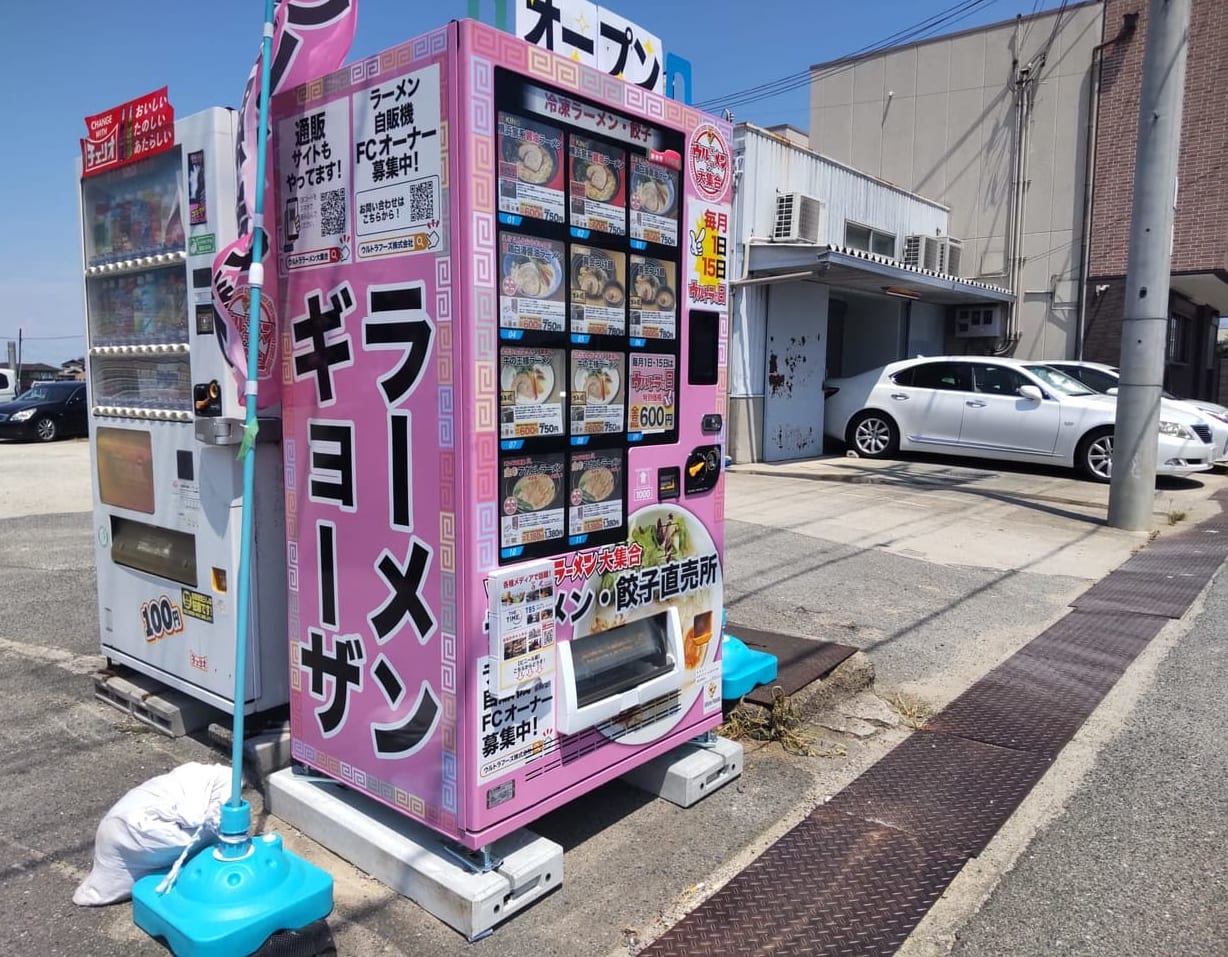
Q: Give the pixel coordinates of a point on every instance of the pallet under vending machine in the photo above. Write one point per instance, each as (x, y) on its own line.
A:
(166, 417)
(503, 283)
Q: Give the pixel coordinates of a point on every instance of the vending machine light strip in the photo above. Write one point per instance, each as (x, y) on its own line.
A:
(153, 348)
(136, 265)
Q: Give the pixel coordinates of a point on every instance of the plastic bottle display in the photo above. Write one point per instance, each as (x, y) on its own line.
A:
(135, 216)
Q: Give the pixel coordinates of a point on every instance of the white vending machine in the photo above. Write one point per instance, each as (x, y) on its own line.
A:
(166, 415)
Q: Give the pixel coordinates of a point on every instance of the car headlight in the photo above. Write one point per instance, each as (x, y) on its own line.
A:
(1175, 429)
(23, 415)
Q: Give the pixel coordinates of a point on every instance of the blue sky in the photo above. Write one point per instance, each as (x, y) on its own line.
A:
(61, 61)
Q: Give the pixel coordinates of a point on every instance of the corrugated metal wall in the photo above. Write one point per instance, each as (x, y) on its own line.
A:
(771, 167)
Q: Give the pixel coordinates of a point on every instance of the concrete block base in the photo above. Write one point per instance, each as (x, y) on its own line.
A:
(688, 773)
(151, 702)
(263, 753)
(412, 859)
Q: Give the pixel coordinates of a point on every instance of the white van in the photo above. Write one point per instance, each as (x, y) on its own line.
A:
(8, 384)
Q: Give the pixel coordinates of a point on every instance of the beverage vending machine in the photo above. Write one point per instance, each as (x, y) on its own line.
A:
(503, 283)
(165, 424)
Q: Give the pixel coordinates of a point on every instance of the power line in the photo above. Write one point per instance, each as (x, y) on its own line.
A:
(805, 78)
(79, 335)
(944, 18)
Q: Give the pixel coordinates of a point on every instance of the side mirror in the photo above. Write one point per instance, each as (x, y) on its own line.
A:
(1031, 392)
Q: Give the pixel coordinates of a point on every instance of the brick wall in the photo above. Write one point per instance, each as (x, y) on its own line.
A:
(1198, 376)
(1102, 334)
(1201, 231)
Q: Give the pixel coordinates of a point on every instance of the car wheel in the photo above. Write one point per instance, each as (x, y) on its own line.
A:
(45, 429)
(1094, 457)
(873, 435)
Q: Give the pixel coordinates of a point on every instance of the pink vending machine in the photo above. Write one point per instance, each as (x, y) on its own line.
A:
(504, 312)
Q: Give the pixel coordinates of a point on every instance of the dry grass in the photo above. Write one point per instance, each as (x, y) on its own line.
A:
(913, 711)
(781, 722)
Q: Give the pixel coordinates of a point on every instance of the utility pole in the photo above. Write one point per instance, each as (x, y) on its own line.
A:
(1145, 323)
(17, 372)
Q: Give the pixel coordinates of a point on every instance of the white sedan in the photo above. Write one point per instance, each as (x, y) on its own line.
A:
(996, 408)
(1103, 378)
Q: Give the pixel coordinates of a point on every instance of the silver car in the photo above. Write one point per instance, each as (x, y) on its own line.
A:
(1103, 378)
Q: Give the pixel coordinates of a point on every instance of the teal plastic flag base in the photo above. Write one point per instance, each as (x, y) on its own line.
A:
(743, 668)
(227, 907)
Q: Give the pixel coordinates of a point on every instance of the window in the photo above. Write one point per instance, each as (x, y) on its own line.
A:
(944, 376)
(1094, 378)
(997, 380)
(4, 381)
(1178, 339)
(869, 240)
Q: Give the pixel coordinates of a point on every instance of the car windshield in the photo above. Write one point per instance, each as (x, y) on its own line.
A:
(1059, 381)
(45, 391)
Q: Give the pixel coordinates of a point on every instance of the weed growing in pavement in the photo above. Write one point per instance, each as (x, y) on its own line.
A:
(912, 710)
(781, 722)
(1175, 515)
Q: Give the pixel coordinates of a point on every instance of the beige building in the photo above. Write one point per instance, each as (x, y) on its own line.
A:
(992, 123)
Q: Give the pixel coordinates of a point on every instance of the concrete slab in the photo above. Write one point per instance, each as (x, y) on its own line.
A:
(869, 708)
(412, 859)
(689, 773)
(843, 724)
(987, 515)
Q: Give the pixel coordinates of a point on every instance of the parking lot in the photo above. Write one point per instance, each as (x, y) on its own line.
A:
(937, 570)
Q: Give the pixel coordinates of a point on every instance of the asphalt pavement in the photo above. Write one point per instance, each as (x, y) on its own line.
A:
(937, 570)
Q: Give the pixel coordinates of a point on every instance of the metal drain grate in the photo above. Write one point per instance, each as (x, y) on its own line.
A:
(834, 886)
(1146, 593)
(999, 712)
(858, 875)
(1105, 633)
(1198, 553)
(952, 793)
(1077, 684)
(1095, 637)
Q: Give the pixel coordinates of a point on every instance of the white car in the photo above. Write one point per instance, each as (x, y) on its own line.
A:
(1103, 378)
(1000, 409)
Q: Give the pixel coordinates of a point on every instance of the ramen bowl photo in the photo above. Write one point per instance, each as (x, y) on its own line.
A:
(533, 492)
(599, 386)
(600, 181)
(612, 293)
(535, 162)
(533, 278)
(646, 286)
(596, 484)
(529, 384)
(653, 195)
(586, 277)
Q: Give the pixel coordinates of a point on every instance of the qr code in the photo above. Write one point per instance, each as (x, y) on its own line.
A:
(422, 201)
(332, 212)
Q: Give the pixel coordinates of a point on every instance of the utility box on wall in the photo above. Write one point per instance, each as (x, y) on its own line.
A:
(978, 321)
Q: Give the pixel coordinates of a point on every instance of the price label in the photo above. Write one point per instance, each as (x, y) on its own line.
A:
(651, 417)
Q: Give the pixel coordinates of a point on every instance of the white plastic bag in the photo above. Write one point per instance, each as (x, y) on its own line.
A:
(150, 826)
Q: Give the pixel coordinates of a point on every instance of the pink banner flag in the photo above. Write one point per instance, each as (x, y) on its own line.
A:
(310, 38)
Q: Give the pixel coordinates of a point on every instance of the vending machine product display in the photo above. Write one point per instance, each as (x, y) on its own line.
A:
(503, 409)
(165, 425)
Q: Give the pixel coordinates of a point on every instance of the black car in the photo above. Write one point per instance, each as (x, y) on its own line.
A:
(46, 411)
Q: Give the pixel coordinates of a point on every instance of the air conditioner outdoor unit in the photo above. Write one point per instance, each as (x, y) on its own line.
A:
(978, 321)
(939, 254)
(797, 219)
